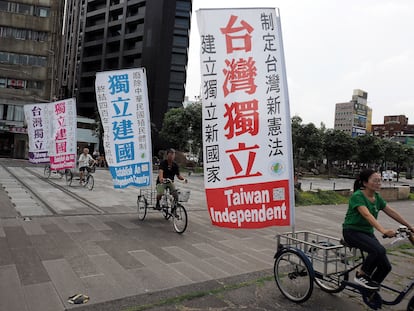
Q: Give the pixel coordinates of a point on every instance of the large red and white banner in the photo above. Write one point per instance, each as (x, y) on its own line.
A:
(247, 148)
(52, 133)
(63, 123)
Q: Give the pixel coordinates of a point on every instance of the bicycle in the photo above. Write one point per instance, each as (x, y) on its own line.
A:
(48, 172)
(304, 258)
(170, 207)
(87, 181)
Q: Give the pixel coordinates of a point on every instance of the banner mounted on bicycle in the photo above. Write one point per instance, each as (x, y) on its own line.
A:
(52, 133)
(122, 98)
(248, 166)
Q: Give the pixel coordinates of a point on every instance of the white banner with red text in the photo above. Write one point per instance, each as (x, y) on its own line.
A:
(247, 147)
(63, 142)
(51, 128)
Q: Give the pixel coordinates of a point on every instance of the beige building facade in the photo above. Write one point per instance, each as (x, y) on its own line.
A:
(30, 35)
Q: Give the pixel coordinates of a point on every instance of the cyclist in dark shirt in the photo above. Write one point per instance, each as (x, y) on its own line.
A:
(168, 169)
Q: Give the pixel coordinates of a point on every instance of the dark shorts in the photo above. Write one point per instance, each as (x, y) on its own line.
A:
(84, 168)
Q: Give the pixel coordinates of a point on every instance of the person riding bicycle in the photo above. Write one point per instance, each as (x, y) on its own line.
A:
(168, 169)
(85, 159)
(358, 228)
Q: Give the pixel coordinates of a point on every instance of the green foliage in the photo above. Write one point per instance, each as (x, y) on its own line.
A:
(307, 141)
(182, 125)
(320, 197)
(338, 146)
(370, 149)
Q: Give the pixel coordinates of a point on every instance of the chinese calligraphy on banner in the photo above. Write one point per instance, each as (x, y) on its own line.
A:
(37, 121)
(52, 133)
(248, 167)
(63, 124)
(122, 98)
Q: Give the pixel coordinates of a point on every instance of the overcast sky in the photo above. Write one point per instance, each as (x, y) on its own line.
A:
(333, 47)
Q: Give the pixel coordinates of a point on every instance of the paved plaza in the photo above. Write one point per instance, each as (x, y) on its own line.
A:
(102, 250)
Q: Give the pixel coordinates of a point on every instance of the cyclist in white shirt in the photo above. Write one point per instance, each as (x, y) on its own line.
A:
(84, 163)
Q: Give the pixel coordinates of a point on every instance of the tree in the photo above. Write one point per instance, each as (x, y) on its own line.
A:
(193, 113)
(390, 152)
(182, 125)
(312, 142)
(370, 150)
(306, 142)
(338, 146)
(296, 124)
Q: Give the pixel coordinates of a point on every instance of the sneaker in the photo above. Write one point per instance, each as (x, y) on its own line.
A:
(366, 281)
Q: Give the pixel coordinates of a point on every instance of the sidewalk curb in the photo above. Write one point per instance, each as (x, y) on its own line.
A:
(160, 298)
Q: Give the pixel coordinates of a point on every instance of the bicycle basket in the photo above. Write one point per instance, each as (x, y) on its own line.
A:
(149, 195)
(183, 196)
(327, 254)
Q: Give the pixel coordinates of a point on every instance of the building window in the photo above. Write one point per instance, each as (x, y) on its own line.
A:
(42, 12)
(16, 84)
(183, 5)
(22, 34)
(25, 9)
(22, 59)
(4, 6)
(180, 41)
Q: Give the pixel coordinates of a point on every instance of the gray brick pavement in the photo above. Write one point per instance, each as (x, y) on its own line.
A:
(114, 255)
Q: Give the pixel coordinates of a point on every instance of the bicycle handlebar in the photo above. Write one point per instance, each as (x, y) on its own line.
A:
(168, 181)
(400, 234)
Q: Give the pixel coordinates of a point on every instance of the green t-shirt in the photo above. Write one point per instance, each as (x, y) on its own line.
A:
(354, 220)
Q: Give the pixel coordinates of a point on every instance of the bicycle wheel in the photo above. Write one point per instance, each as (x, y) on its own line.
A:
(141, 207)
(68, 177)
(90, 181)
(47, 171)
(410, 306)
(293, 275)
(179, 218)
(332, 283)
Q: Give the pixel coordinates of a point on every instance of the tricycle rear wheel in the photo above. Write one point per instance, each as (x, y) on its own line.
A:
(293, 274)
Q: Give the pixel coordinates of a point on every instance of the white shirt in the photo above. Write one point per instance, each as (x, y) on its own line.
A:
(84, 159)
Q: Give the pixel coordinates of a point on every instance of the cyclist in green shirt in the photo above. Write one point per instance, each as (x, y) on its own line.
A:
(358, 228)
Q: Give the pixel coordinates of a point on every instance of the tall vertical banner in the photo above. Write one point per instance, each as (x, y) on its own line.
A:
(37, 120)
(247, 147)
(122, 98)
(63, 123)
(52, 133)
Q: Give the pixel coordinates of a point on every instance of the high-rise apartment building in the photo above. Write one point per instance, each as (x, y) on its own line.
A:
(354, 117)
(30, 33)
(120, 34)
